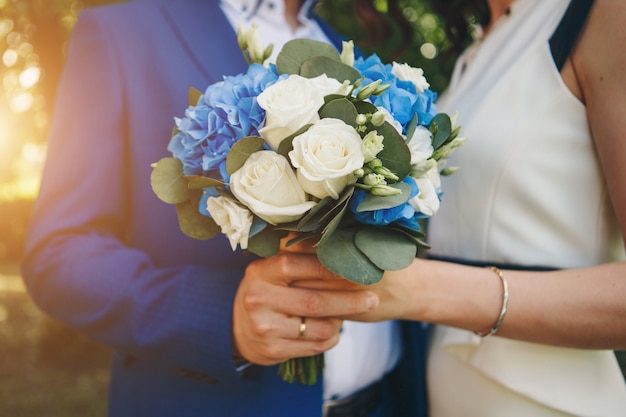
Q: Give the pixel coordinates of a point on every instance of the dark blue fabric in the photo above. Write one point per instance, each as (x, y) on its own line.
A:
(106, 256)
(568, 30)
(500, 265)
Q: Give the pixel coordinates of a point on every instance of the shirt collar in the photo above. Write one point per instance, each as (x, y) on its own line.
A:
(270, 10)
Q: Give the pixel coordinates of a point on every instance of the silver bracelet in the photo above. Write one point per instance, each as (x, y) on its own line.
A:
(505, 304)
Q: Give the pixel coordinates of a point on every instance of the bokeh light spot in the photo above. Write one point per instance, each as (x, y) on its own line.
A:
(428, 50)
(9, 58)
(22, 102)
(30, 76)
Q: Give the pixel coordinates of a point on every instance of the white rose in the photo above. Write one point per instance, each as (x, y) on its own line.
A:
(427, 199)
(267, 185)
(421, 145)
(234, 220)
(292, 103)
(325, 157)
(405, 72)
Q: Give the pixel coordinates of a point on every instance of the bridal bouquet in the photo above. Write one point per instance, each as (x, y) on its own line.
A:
(347, 153)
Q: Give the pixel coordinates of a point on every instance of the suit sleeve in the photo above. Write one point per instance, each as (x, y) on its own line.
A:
(78, 266)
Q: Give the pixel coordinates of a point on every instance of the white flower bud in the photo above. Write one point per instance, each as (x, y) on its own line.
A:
(374, 179)
(372, 145)
(347, 53)
(378, 118)
(385, 190)
(368, 90)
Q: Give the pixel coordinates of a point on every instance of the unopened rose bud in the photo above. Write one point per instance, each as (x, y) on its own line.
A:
(359, 172)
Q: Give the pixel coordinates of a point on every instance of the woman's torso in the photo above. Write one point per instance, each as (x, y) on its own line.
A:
(530, 192)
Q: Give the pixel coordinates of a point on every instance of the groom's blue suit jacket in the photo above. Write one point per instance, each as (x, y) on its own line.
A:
(106, 256)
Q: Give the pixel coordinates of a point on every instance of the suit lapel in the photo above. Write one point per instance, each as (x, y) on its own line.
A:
(206, 36)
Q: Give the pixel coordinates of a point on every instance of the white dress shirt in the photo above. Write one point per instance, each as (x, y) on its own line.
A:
(366, 351)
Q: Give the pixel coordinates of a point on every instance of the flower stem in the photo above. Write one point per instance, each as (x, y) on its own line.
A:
(303, 370)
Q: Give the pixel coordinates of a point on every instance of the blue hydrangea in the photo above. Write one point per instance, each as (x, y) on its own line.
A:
(227, 112)
(403, 214)
(401, 98)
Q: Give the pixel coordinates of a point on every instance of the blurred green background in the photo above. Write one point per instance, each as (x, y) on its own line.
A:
(47, 369)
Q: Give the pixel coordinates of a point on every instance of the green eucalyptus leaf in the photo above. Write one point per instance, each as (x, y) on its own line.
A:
(416, 236)
(198, 182)
(168, 181)
(412, 233)
(193, 96)
(319, 65)
(340, 204)
(373, 202)
(241, 151)
(286, 145)
(341, 109)
(388, 249)
(312, 220)
(323, 212)
(258, 225)
(410, 128)
(192, 222)
(296, 51)
(266, 243)
(365, 107)
(341, 256)
(396, 155)
(301, 237)
(331, 97)
(441, 128)
(332, 220)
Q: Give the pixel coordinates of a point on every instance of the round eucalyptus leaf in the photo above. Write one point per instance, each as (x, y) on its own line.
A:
(396, 155)
(388, 249)
(266, 243)
(198, 182)
(340, 255)
(168, 181)
(319, 65)
(341, 109)
(193, 223)
(296, 51)
(364, 107)
(241, 151)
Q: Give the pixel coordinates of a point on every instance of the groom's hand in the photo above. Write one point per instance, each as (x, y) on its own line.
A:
(268, 309)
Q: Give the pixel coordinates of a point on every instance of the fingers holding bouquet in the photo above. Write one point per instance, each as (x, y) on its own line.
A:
(274, 320)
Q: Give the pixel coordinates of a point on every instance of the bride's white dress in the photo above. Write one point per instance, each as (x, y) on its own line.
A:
(530, 192)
